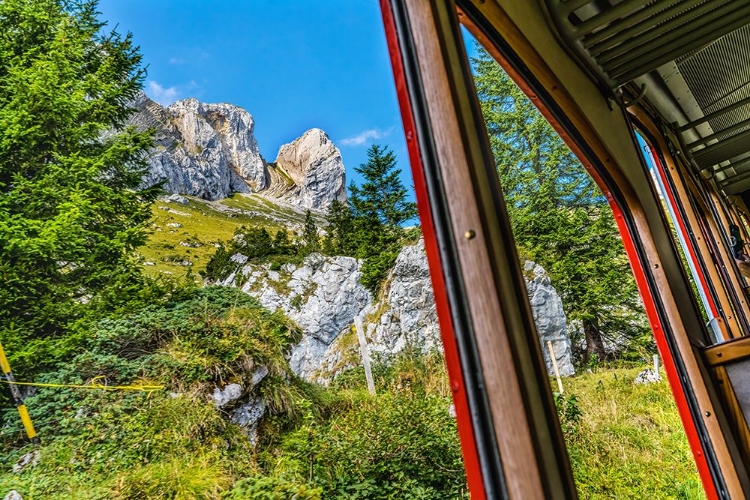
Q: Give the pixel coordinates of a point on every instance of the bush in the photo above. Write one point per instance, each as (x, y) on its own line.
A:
(208, 336)
(375, 269)
(181, 478)
(401, 446)
(257, 245)
(272, 488)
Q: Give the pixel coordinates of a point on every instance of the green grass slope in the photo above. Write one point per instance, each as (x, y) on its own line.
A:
(625, 440)
(185, 236)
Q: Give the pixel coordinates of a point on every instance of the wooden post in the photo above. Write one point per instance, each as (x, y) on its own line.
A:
(656, 366)
(365, 351)
(554, 365)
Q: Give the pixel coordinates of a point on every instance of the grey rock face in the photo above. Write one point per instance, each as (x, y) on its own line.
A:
(317, 169)
(13, 495)
(409, 317)
(210, 151)
(323, 296)
(230, 393)
(551, 324)
(204, 150)
(248, 417)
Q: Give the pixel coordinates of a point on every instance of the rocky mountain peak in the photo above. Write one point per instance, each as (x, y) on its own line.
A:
(315, 166)
(210, 151)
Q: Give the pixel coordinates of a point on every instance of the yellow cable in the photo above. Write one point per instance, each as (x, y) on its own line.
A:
(145, 388)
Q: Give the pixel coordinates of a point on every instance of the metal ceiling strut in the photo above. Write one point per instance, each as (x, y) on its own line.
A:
(698, 49)
(626, 40)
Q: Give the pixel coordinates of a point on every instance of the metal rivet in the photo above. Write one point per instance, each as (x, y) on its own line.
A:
(656, 266)
(708, 413)
(469, 235)
(718, 354)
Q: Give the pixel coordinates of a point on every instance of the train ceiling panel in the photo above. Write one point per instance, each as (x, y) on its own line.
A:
(706, 46)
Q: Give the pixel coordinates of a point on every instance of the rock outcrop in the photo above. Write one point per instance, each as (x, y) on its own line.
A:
(323, 295)
(210, 151)
(315, 166)
(551, 324)
(204, 150)
(407, 317)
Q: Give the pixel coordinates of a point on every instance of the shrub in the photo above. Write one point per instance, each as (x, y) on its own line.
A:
(375, 269)
(272, 488)
(392, 446)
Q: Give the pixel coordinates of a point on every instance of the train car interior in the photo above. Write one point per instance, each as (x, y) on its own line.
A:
(653, 97)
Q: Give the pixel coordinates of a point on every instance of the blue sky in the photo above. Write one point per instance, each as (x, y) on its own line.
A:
(293, 64)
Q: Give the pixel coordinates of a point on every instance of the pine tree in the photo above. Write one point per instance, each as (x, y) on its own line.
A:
(340, 229)
(380, 207)
(559, 218)
(310, 237)
(71, 211)
(380, 203)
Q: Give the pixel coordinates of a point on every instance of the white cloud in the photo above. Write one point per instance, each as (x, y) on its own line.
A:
(366, 136)
(194, 56)
(164, 96)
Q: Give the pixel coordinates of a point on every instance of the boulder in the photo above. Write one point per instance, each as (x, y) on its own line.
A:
(223, 397)
(248, 417)
(28, 460)
(551, 323)
(647, 376)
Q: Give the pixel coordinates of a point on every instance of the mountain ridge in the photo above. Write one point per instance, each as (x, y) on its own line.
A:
(210, 151)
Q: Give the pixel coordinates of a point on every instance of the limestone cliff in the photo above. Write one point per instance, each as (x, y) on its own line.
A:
(315, 166)
(204, 150)
(210, 151)
(323, 295)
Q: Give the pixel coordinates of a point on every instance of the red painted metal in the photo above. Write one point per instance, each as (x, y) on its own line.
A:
(450, 346)
(636, 265)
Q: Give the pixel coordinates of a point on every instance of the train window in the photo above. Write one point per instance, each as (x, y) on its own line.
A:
(575, 267)
(589, 95)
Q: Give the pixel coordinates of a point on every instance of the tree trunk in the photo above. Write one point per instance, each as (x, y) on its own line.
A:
(594, 342)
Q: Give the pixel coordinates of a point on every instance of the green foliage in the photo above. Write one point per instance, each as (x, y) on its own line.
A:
(174, 442)
(272, 488)
(628, 441)
(257, 245)
(560, 220)
(371, 227)
(310, 238)
(393, 446)
(71, 212)
(175, 479)
(213, 334)
(381, 198)
(569, 413)
(376, 267)
(341, 237)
